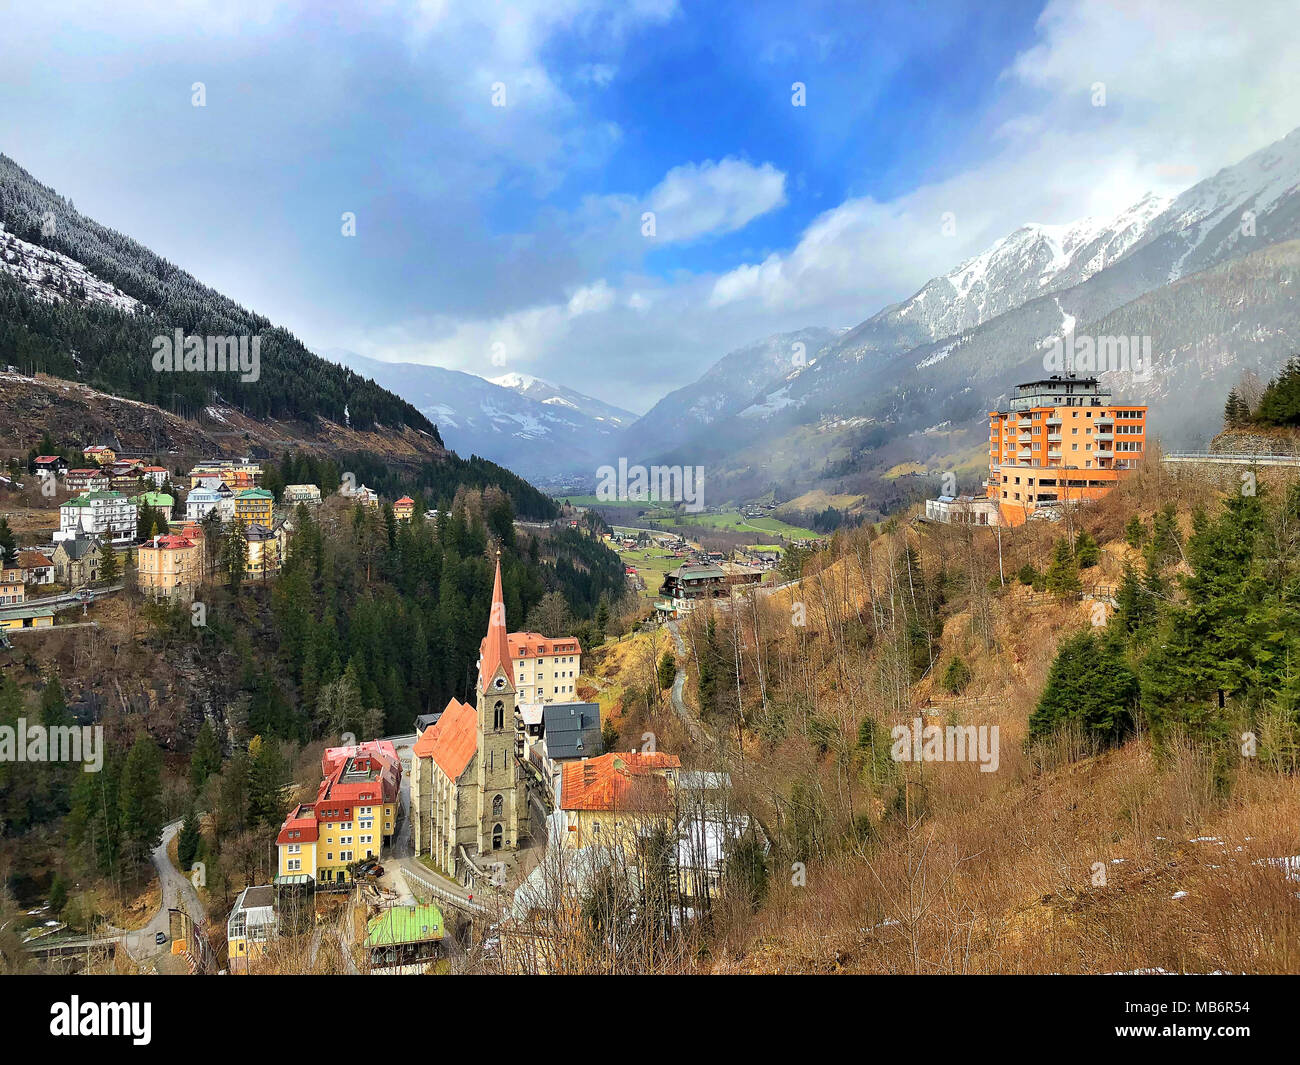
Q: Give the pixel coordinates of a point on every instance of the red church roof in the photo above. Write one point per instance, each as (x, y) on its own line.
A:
(496, 647)
(452, 740)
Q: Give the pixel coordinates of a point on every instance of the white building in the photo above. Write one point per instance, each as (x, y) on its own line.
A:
(962, 510)
(546, 670)
(200, 503)
(300, 493)
(110, 515)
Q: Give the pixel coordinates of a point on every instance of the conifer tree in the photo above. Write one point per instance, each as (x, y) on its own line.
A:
(1062, 576)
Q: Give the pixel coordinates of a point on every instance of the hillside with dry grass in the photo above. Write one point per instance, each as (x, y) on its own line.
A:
(1161, 848)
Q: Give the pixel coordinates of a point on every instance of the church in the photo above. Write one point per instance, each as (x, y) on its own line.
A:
(468, 799)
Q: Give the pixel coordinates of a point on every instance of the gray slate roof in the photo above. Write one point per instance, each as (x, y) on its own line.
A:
(572, 730)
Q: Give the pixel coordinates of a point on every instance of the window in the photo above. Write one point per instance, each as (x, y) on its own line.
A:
(497, 804)
(499, 715)
(293, 864)
(295, 848)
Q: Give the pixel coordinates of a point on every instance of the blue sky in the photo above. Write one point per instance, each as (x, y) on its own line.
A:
(516, 230)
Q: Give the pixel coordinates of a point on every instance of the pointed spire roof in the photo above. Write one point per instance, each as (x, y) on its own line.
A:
(496, 647)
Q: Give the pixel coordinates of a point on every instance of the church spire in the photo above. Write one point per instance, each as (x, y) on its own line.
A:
(496, 648)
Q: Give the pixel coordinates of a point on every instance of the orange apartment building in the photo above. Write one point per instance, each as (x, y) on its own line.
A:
(1061, 440)
(169, 567)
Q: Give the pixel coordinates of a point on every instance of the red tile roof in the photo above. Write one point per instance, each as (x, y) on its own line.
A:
(617, 781)
(405, 501)
(532, 644)
(170, 542)
(300, 826)
(452, 740)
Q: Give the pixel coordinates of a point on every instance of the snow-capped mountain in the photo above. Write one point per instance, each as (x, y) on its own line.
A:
(1237, 211)
(1032, 261)
(558, 396)
(729, 386)
(537, 439)
(950, 351)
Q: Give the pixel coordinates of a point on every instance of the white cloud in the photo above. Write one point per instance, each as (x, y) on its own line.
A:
(711, 198)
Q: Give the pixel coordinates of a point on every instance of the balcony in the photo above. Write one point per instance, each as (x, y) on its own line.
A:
(1105, 419)
(1103, 436)
(1024, 454)
(1053, 420)
(1053, 438)
(1105, 453)
(1054, 454)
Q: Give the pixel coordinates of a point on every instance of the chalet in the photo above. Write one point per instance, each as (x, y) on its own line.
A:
(100, 454)
(86, 480)
(45, 464)
(404, 508)
(36, 567)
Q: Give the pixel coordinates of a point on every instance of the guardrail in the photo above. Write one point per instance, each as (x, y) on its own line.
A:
(1231, 459)
(446, 895)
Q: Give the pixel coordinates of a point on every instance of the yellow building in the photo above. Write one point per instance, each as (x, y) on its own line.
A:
(353, 815)
(545, 670)
(13, 589)
(613, 798)
(263, 551)
(254, 505)
(169, 567)
(26, 617)
(100, 454)
(404, 508)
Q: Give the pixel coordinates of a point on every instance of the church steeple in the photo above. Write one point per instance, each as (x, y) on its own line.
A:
(496, 648)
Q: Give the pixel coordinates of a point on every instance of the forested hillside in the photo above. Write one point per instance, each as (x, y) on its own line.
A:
(61, 333)
(370, 623)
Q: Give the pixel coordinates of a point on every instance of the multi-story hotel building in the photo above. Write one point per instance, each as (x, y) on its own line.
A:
(110, 515)
(353, 815)
(546, 670)
(1061, 440)
(169, 567)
